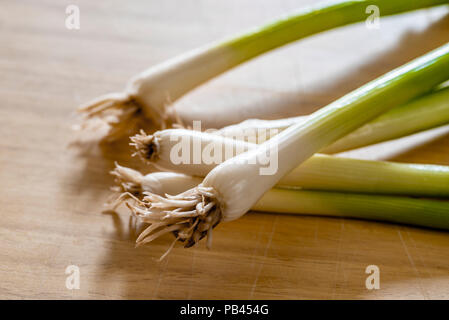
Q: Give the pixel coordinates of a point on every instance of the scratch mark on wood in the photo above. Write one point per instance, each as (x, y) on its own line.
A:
(426, 268)
(192, 278)
(161, 276)
(270, 240)
(412, 263)
(256, 247)
(338, 263)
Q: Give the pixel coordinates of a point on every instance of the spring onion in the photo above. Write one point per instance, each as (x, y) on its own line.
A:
(420, 114)
(320, 172)
(423, 113)
(234, 186)
(147, 93)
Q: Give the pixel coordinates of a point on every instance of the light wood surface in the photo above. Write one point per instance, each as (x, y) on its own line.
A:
(51, 196)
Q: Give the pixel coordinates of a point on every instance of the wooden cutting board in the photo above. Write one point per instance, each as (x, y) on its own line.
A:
(51, 195)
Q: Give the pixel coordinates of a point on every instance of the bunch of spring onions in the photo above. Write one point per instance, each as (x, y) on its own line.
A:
(147, 94)
(274, 166)
(190, 206)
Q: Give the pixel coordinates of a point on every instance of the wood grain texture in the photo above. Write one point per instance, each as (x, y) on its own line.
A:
(51, 196)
